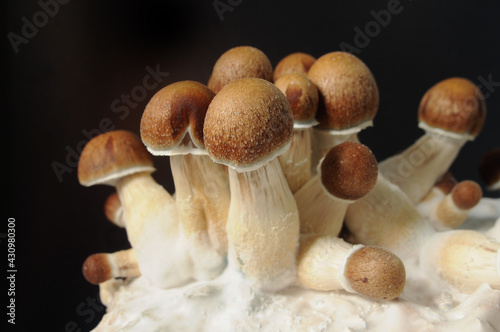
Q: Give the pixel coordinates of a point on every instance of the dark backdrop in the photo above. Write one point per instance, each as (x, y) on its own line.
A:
(74, 68)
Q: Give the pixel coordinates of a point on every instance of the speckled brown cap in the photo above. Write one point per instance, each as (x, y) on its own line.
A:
(302, 95)
(453, 105)
(293, 63)
(489, 169)
(96, 269)
(240, 62)
(248, 123)
(466, 194)
(349, 171)
(348, 91)
(174, 111)
(376, 273)
(112, 155)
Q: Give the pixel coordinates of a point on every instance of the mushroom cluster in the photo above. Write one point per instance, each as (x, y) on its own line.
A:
(273, 184)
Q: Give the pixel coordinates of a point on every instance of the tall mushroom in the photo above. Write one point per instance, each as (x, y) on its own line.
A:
(239, 62)
(347, 173)
(248, 124)
(118, 158)
(451, 113)
(293, 63)
(348, 100)
(302, 95)
(172, 125)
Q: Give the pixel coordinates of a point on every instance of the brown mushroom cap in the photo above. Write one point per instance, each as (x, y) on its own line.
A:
(348, 91)
(446, 183)
(239, 62)
(349, 171)
(173, 111)
(293, 63)
(112, 207)
(96, 269)
(248, 123)
(489, 168)
(112, 155)
(466, 194)
(454, 105)
(376, 273)
(302, 95)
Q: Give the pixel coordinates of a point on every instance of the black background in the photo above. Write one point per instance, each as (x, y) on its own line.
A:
(64, 79)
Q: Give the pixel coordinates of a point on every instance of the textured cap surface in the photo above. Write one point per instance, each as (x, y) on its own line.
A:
(294, 63)
(348, 91)
(466, 194)
(240, 62)
(109, 156)
(455, 105)
(173, 111)
(302, 95)
(248, 122)
(349, 171)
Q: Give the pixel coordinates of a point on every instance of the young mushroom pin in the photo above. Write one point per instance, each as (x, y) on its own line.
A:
(118, 158)
(451, 113)
(294, 63)
(172, 125)
(101, 267)
(347, 173)
(302, 95)
(348, 100)
(248, 124)
(113, 210)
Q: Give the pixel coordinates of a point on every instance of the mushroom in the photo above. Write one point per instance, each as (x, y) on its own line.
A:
(239, 62)
(101, 267)
(302, 95)
(451, 113)
(293, 63)
(328, 263)
(447, 207)
(113, 210)
(489, 169)
(347, 172)
(348, 100)
(248, 124)
(118, 158)
(172, 125)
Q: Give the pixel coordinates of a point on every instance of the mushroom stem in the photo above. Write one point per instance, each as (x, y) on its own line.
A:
(263, 227)
(101, 267)
(328, 263)
(464, 258)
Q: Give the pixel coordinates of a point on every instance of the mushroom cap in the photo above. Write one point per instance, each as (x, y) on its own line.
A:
(454, 105)
(113, 208)
(96, 269)
(248, 123)
(348, 91)
(297, 62)
(302, 95)
(446, 183)
(375, 273)
(239, 62)
(466, 194)
(174, 111)
(112, 155)
(349, 171)
(489, 169)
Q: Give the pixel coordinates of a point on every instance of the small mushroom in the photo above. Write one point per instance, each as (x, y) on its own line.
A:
(451, 113)
(172, 125)
(302, 95)
(347, 173)
(239, 62)
(348, 100)
(293, 63)
(489, 169)
(328, 263)
(248, 124)
(118, 158)
(101, 267)
(113, 210)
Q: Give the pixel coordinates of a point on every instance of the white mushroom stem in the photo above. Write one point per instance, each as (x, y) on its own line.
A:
(296, 160)
(263, 227)
(202, 197)
(466, 259)
(152, 225)
(108, 289)
(319, 211)
(417, 169)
